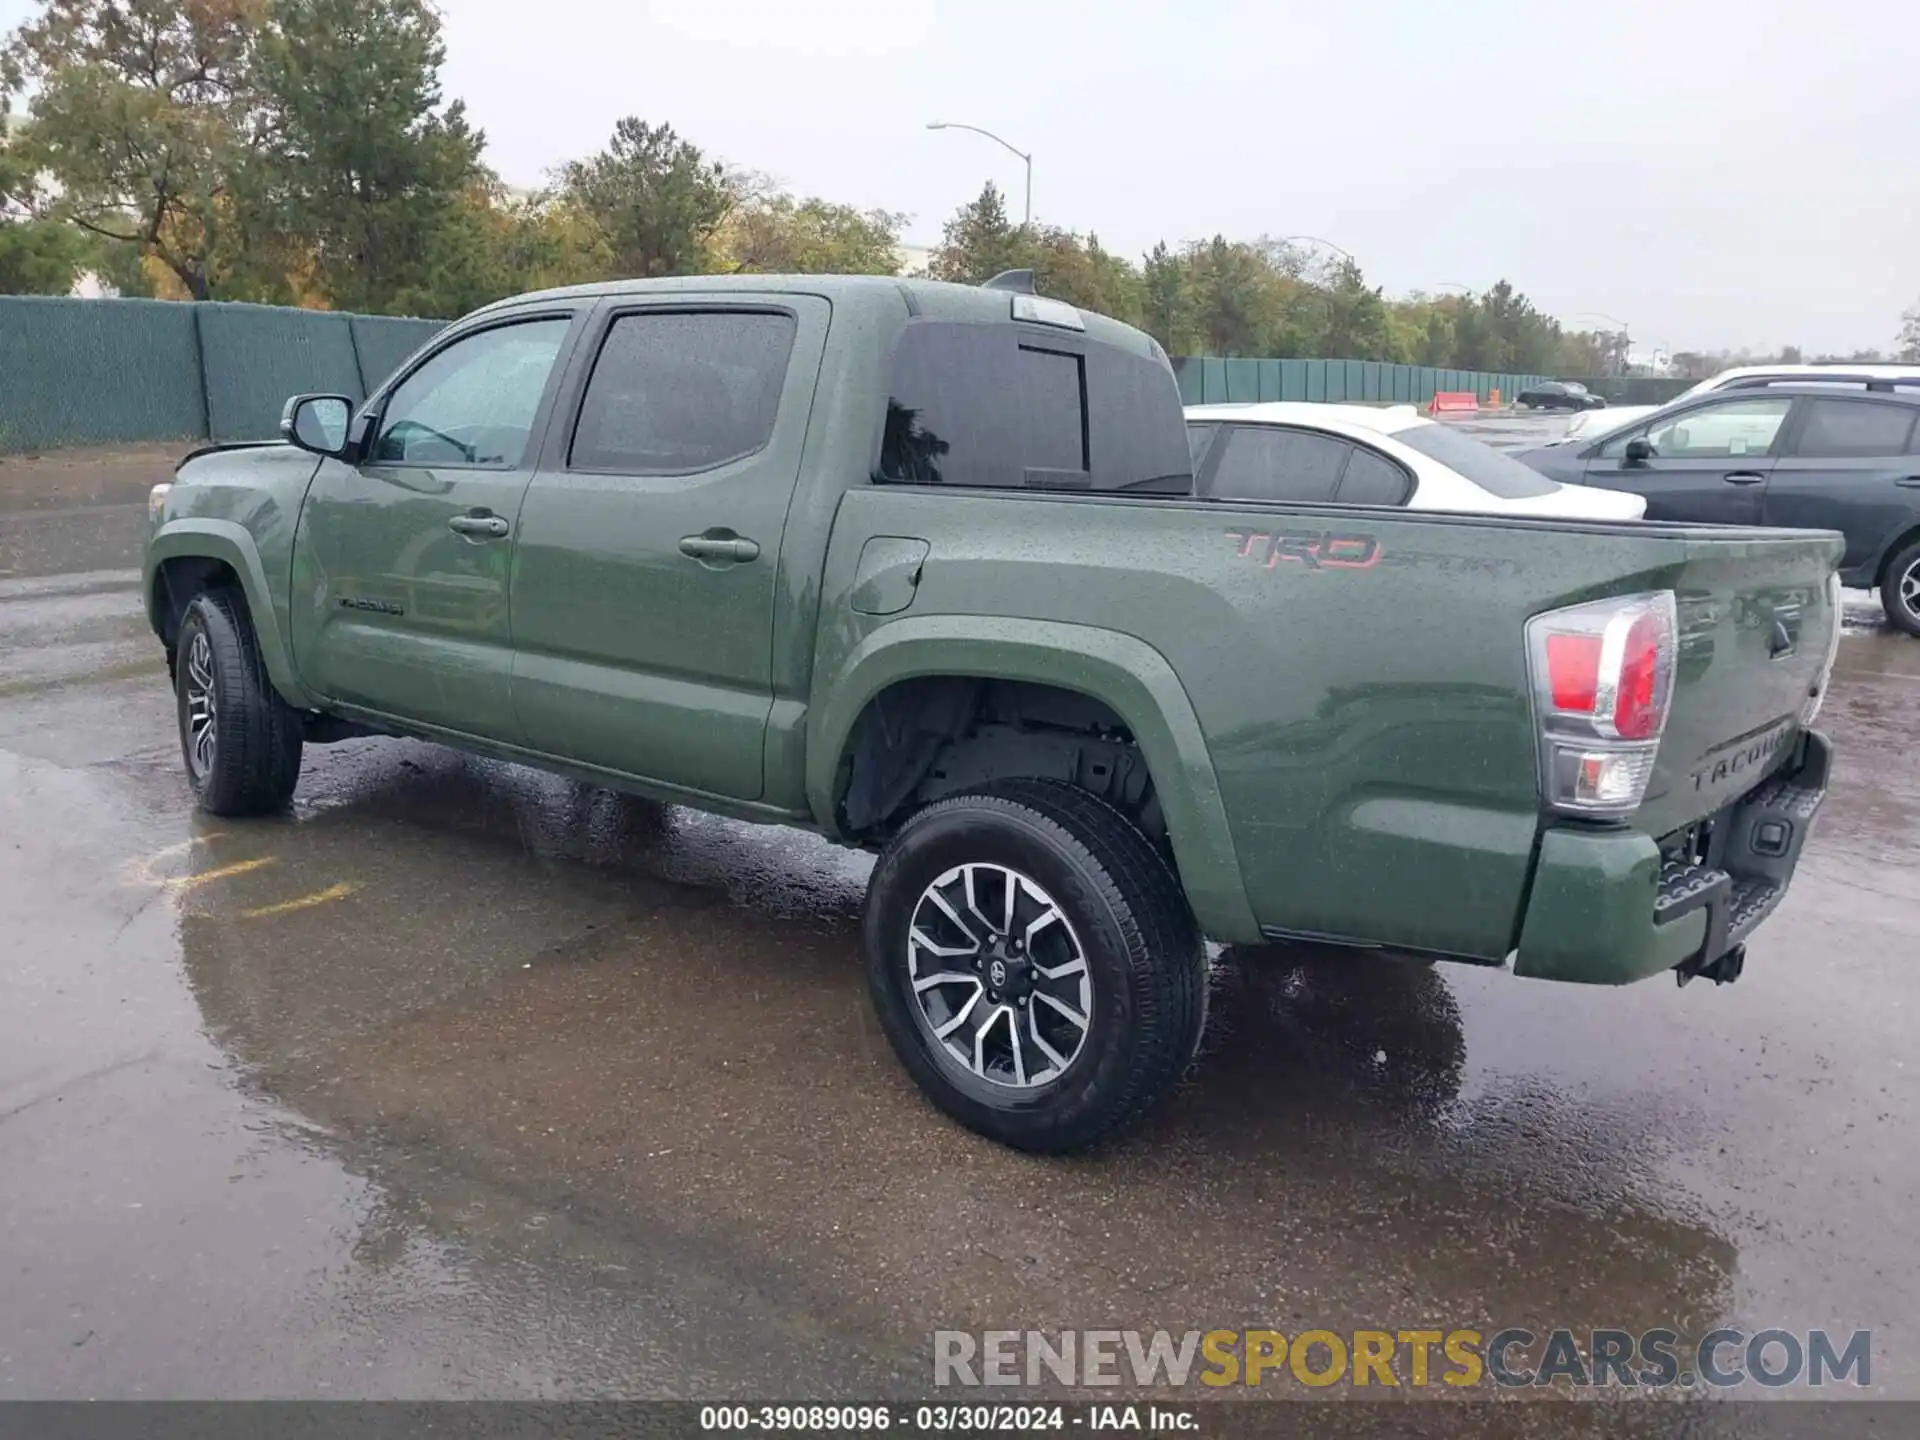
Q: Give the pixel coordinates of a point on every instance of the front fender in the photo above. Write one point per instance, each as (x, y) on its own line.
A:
(1124, 673)
(203, 538)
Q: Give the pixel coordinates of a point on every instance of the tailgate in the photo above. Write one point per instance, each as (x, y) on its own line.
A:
(1758, 617)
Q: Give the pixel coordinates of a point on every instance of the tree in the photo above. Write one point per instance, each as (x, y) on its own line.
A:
(1237, 303)
(370, 175)
(1163, 299)
(978, 242)
(141, 120)
(656, 199)
(779, 235)
(37, 256)
(1909, 341)
(1356, 324)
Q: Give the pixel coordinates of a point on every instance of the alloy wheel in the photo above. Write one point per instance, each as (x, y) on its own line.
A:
(999, 977)
(203, 706)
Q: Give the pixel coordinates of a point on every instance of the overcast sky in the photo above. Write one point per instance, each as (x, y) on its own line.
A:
(1712, 173)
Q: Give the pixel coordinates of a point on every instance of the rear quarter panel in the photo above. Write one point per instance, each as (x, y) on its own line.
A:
(1358, 677)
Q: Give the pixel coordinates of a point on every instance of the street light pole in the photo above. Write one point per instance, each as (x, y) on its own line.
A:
(1337, 249)
(1026, 217)
(1626, 330)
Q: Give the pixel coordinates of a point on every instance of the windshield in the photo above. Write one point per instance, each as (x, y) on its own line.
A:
(1485, 466)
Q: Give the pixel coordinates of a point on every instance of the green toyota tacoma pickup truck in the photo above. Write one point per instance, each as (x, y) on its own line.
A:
(918, 566)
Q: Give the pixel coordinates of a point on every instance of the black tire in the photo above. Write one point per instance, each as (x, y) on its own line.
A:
(1145, 961)
(1901, 613)
(257, 736)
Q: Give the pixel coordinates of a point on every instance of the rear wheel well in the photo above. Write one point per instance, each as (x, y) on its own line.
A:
(177, 581)
(1900, 542)
(921, 740)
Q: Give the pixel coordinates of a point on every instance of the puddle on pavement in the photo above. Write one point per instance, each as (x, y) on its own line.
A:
(658, 1021)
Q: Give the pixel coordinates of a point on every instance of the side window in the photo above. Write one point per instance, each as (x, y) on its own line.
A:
(472, 403)
(1713, 432)
(1001, 407)
(1372, 479)
(1840, 429)
(1270, 462)
(677, 391)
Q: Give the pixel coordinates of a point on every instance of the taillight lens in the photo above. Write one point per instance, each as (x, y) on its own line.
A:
(1602, 682)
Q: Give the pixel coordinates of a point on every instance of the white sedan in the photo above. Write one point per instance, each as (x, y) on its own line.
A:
(1597, 424)
(1356, 455)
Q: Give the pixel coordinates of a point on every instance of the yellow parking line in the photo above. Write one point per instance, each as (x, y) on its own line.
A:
(305, 902)
(222, 872)
(141, 872)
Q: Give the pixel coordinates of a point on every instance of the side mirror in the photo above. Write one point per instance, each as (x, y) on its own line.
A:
(1638, 451)
(318, 423)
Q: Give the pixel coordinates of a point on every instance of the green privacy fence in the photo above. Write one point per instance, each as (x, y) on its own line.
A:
(1207, 380)
(100, 372)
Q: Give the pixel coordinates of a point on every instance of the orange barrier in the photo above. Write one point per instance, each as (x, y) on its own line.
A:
(1493, 398)
(1447, 402)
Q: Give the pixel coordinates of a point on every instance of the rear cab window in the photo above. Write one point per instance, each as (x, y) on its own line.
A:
(1012, 406)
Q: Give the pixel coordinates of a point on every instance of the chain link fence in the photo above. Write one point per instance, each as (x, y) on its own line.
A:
(103, 372)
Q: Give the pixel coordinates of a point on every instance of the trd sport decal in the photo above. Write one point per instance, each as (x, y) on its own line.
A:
(1315, 549)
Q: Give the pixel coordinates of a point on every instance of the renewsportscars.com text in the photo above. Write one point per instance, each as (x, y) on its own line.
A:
(1415, 1359)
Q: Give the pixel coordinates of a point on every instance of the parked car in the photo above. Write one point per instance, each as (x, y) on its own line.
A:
(1559, 395)
(1785, 454)
(1357, 455)
(920, 567)
(1594, 425)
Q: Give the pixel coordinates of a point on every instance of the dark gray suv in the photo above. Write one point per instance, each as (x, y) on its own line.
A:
(1802, 455)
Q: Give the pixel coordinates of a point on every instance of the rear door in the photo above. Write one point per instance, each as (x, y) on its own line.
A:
(1709, 463)
(1848, 465)
(649, 542)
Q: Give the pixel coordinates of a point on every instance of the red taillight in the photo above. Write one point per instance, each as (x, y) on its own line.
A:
(1639, 709)
(1573, 671)
(1602, 678)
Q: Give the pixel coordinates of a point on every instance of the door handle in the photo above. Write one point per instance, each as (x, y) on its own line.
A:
(478, 526)
(1909, 482)
(719, 547)
(1744, 477)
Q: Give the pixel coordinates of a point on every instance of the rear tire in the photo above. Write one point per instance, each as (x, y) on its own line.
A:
(240, 740)
(1900, 589)
(1099, 929)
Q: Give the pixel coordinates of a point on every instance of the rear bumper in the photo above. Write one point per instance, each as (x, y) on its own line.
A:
(1610, 907)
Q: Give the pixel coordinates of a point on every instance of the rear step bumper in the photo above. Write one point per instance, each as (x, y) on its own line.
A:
(1609, 907)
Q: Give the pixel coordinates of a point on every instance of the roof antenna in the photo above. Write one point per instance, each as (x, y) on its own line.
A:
(1020, 282)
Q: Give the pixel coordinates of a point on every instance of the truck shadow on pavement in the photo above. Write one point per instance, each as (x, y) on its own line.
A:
(654, 1025)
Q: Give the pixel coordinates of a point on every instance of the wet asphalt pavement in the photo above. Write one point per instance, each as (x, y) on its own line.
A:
(462, 1080)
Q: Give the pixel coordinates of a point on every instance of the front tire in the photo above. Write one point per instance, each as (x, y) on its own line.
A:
(240, 740)
(1034, 964)
(1900, 589)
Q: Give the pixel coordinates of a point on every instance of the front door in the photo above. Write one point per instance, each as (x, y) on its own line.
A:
(1709, 464)
(647, 566)
(1849, 465)
(401, 563)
